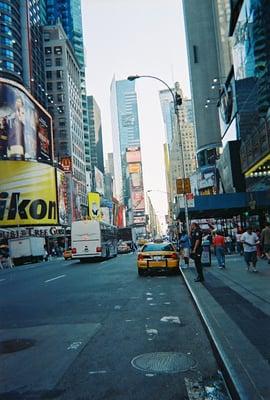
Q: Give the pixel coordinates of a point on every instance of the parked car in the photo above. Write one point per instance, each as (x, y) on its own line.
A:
(123, 247)
(67, 254)
(158, 256)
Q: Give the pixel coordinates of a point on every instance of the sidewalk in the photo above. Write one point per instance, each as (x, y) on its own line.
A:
(235, 306)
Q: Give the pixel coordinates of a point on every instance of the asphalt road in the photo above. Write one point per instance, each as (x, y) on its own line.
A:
(85, 326)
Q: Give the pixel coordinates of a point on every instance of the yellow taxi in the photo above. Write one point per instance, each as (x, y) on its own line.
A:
(158, 256)
(67, 254)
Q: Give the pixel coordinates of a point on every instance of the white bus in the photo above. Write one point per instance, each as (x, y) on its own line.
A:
(91, 239)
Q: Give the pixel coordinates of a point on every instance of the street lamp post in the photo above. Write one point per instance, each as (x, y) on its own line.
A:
(177, 101)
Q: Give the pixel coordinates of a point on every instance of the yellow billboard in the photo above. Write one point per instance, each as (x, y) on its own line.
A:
(27, 194)
(94, 206)
(134, 168)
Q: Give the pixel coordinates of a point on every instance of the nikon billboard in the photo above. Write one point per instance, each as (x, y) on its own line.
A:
(28, 194)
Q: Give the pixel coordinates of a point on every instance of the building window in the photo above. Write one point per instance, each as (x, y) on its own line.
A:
(58, 62)
(62, 122)
(58, 50)
(60, 85)
(48, 62)
(47, 36)
(60, 98)
(49, 74)
(49, 86)
(48, 50)
(59, 74)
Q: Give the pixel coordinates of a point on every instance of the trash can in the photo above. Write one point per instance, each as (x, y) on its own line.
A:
(206, 253)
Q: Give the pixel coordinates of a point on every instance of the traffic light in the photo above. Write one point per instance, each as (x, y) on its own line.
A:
(183, 186)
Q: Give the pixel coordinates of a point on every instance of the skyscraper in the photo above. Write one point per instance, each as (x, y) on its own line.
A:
(125, 129)
(63, 86)
(203, 68)
(21, 44)
(94, 146)
(69, 13)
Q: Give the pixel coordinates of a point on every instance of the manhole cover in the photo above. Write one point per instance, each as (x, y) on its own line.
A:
(11, 346)
(163, 362)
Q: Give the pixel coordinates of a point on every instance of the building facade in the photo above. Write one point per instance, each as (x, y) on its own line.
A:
(63, 87)
(125, 130)
(204, 68)
(94, 146)
(69, 13)
(21, 44)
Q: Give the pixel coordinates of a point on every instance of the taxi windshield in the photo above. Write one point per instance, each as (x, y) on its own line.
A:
(158, 247)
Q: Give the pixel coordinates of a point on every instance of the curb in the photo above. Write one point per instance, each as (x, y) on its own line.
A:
(246, 379)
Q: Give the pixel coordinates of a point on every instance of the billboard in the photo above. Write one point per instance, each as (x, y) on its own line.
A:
(62, 197)
(136, 181)
(134, 168)
(94, 209)
(28, 194)
(137, 199)
(66, 163)
(99, 181)
(25, 126)
(133, 155)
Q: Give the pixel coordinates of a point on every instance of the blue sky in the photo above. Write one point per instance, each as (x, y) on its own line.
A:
(126, 37)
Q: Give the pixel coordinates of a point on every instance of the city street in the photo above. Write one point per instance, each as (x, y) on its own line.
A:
(82, 328)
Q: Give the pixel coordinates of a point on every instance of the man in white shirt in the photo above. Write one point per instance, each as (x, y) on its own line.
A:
(250, 240)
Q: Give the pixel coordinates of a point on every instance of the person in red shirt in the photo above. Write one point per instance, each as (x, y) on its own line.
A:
(219, 244)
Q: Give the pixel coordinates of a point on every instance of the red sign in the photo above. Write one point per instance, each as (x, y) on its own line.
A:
(66, 164)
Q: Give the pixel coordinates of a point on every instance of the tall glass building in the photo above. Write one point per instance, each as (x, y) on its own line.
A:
(125, 128)
(21, 44)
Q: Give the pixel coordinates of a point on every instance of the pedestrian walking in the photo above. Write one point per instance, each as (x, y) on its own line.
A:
(239, 244)
(219, 245)
(196, 250)
(185, 247)
(265, 241)
(250, 241)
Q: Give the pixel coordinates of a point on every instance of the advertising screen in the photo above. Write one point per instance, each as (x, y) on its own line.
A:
(94, 206)
(28, 194)
(138, 200)
(99, 179)
(134, 168)
(133, 155)
(62, 197)
(25, 126)
(136, 181)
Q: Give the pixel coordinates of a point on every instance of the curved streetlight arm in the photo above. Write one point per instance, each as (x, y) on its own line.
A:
(133, 77)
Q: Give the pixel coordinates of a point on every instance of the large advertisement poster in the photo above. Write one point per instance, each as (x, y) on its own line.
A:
(99, 181)
(25, 127)
(62, 197)
(138, 201)
(133, 155)
(27, 194)
(94, 206)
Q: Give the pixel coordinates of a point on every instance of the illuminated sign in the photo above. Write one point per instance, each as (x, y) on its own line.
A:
(28, 194)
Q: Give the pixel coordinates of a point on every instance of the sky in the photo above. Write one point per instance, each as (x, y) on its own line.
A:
(144, 37)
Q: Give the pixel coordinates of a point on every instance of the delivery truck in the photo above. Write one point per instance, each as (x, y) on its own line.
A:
(27, 249)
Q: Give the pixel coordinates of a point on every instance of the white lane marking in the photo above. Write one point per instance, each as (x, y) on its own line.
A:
(148, 294)
(149, 298)
(134, 298)
(102, 371)
(162, 294)
(74, 346)
(152, 304)
(129, 320)
(2, 280)
(171, 319)
(117, 307)
(57, 277)
(150, 375)
(167, 302)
